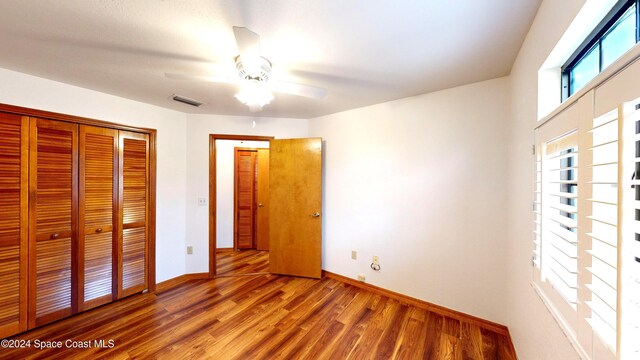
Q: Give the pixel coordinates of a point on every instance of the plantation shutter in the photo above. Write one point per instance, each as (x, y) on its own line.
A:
(602, 254)
(560, 252)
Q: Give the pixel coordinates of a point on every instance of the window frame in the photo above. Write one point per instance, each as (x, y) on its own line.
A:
(595, 38)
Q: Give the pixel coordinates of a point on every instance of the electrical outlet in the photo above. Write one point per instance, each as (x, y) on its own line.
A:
(354, 254)
(189, 250)
(202, 201)
(376, 260)
(361, 277)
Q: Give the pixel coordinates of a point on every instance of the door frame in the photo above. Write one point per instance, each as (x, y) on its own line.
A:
(213, 187)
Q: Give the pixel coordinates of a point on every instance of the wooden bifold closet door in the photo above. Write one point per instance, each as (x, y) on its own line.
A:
(133, 212)
(14, 227)
(53, 209)
(76, 215)
(98, 225)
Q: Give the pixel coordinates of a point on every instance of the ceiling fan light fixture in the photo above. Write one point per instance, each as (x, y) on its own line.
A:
(255, 94)
(253, 68)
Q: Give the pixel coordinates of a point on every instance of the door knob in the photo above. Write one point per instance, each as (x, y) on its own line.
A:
(260, 205)
(316, 214)
(54, 236)
(99, 230)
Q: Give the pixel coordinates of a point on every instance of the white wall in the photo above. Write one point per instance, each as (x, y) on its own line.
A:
(225, 160)
(533, 329)
(420, 182)
(199, 127)
(33, 92)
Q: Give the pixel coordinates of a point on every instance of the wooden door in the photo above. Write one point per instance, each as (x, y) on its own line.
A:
(133, 212)
(53, 203)
(295, 202)
(245, 208)
(262, 219)
(14, 226)
(97, 215)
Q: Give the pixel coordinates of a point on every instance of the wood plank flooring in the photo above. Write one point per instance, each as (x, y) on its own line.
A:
(242, 262)
(265, 317)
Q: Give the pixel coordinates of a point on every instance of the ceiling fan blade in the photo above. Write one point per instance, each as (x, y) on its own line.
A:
(299, 89)
(208, 78)
(248, 42)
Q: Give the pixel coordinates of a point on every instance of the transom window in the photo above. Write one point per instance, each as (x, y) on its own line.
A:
(615, 35)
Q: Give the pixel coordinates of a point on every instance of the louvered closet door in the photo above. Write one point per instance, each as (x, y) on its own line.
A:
(133, 196)
(14, 147)
(53, 204)
(97, 215)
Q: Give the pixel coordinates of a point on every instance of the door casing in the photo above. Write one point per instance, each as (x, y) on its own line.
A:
(213, 188)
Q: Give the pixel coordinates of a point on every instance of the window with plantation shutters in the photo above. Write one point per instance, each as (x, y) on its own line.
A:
(602, 228)
(630, 230)
(537, 213)
(559, 227)
(633, 257)
(586, 244)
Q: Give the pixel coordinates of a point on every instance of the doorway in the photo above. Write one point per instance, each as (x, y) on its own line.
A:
(294, 207)
(233, 199)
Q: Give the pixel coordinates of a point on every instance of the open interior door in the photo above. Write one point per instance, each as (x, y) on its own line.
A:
(295, 203)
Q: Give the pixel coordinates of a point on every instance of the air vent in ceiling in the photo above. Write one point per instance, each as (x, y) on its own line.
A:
(186, 100)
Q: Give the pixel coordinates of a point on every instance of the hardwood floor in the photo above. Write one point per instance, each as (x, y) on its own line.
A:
(265, 317)
(242, 262)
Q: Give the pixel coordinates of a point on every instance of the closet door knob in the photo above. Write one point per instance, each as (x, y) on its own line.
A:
(54, 236)
(99, 230)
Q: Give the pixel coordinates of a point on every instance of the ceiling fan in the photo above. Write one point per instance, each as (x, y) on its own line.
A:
(253, 75)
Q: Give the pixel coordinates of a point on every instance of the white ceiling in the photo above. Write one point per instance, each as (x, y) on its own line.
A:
(362, 51)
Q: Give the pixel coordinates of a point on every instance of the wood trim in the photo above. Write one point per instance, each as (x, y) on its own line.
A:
(441, 310)
(221, 250)
(116, 227)
(213, 187)
(117, 270)
(133, 290)
(33, 188)
(241, 137)
(106, 299)
(51, 317)
(178, 280)
(24, 222)
(12, 109)
(74, 221)
(511, 346)
(151, 219)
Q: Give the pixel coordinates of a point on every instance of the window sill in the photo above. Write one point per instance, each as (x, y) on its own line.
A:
(560, 321)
